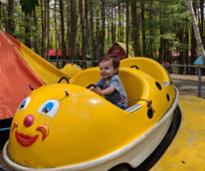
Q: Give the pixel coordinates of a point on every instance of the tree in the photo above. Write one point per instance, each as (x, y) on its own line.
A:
(135, 28)
(62, 28)
(83, 28)
(196, 30)
(127, 26)
(29, 6)
(155, 28)
(43, 32)
(10, 24)
(91, 23)
(143, 28)
(73, 27)
(100, 31)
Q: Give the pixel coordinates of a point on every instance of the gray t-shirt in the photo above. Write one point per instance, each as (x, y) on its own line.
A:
(119, 96)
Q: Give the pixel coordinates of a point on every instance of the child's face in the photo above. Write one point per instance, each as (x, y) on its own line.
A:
(106, 69)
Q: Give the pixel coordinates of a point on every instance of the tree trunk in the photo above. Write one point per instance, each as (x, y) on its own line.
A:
(68, 33)
(27, 30)
(127, 26)
(135, 28)
(193, 49)
(56, 33)
(82, 21)
(91, 22)
(62, 29)
(87, 25)
(43, 33)
(0, 10)
(113, 22)
(10, 23)
(186, 42)
(202, 20)
(162, 41)
(196, 30)
(97, 35)
(47, 27)
(120, 20)
(36, 31)
(151, 30)
(73, 27)
(143, 29)
(102, 35)
(193, 46)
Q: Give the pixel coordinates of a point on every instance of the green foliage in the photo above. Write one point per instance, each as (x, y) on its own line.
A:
(163, 20)
(168, 36)
(28, 5)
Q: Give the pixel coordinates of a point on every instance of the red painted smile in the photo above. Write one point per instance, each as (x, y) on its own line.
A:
(25, 140)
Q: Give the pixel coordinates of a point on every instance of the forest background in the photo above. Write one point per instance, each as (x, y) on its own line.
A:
(159, 29)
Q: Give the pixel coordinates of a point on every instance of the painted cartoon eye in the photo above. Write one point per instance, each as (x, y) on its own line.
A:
(24, 103)
(50, 107)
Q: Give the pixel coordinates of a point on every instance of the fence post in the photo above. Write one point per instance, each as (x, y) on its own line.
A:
(199, 81)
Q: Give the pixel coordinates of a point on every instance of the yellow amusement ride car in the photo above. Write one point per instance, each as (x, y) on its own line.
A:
(69, 127)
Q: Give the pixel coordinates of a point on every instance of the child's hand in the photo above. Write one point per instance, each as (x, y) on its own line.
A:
(92, 88)
(98, 91)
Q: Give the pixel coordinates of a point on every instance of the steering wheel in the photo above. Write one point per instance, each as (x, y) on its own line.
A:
(91, 85)
(63, 78)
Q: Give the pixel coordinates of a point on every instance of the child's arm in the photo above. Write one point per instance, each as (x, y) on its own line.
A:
(106, 91)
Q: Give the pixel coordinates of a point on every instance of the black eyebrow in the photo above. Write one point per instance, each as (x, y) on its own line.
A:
(66, 95)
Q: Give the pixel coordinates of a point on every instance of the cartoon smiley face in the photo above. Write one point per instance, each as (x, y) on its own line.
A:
(48, 108)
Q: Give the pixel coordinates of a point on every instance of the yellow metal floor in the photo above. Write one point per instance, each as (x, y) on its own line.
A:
(187, 150)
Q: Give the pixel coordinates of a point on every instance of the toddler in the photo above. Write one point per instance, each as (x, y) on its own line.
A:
(110, 85)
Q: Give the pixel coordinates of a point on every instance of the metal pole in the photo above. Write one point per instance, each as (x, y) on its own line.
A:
(199, 81)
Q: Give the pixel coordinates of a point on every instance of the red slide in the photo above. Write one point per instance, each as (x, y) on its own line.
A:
(16, 78)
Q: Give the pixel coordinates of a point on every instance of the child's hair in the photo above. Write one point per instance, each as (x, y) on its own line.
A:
(115, 60)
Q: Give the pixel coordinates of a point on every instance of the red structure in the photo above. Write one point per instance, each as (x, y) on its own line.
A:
(17, 78)
(53, 54)
(119, 49)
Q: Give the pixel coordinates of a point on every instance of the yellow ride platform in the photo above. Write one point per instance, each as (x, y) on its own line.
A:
(186, 152)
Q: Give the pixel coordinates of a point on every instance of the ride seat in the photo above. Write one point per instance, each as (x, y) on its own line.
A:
(149, 66)
(132, 80)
